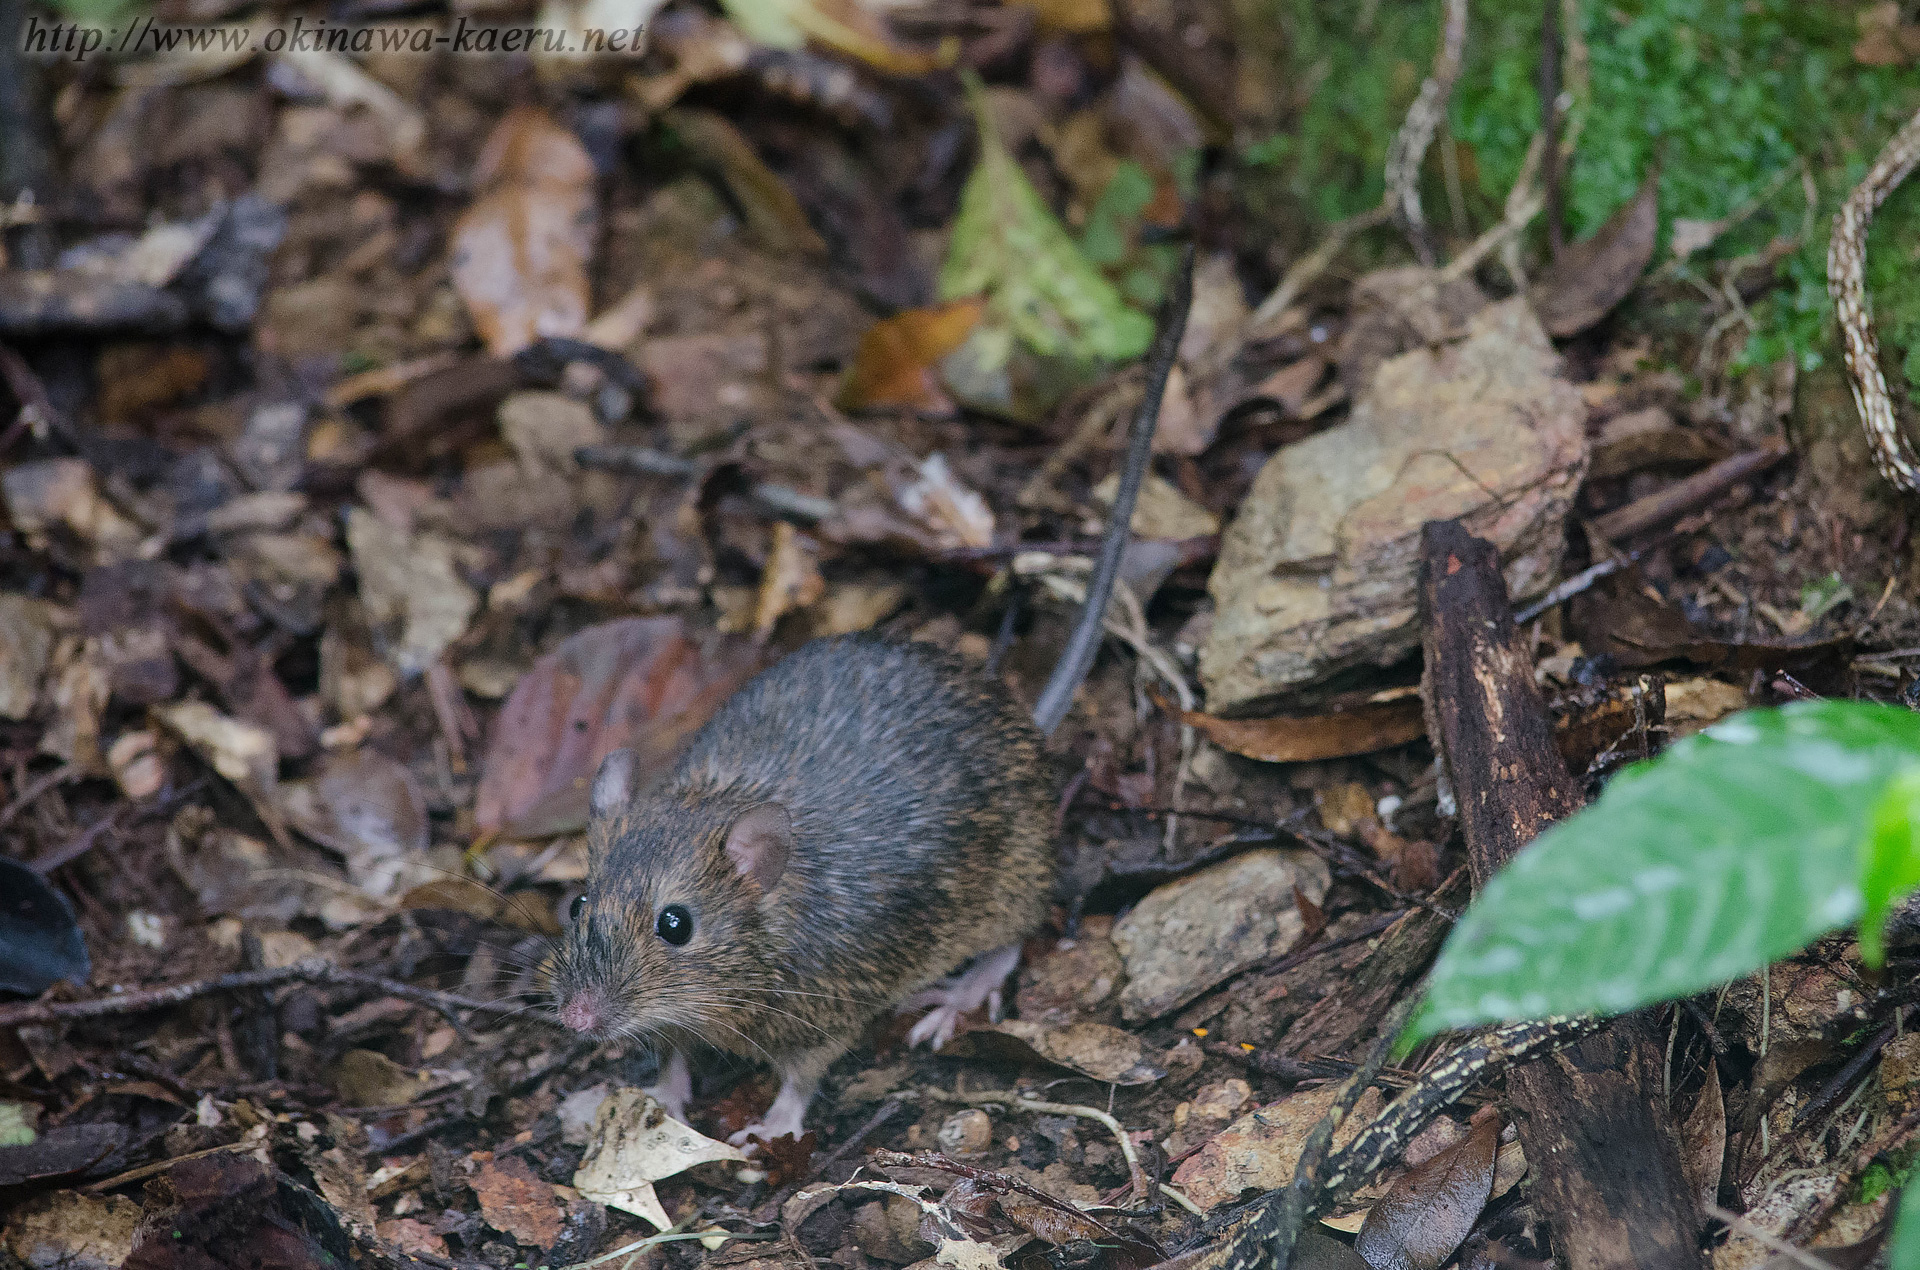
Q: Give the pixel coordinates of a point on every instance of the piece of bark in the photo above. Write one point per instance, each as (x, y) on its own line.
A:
(1600, 1139)
(1340, 1020)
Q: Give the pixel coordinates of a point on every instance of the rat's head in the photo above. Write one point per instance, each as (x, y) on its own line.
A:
(668, 935)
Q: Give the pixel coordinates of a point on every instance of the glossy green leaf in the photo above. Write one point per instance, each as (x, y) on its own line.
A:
(1736, 847)
(1891, 864)
(1906, 1233)
(1008, 247)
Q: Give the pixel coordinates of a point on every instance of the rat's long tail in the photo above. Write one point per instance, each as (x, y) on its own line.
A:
(1077, 659)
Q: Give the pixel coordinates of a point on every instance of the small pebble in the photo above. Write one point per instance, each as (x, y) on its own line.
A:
(966, 1132)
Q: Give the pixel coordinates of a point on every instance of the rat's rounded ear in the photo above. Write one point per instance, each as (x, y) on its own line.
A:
(613, 787)
(759, 842)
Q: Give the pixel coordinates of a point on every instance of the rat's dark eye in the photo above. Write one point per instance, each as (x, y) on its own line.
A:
(579, 906)
(675, 924)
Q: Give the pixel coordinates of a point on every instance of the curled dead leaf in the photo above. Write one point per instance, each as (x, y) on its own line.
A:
(520, 252)
(1432, 1206)
(515, 1202)
(638, 682)
(1589, 278)
(1308, 738)
(897, 362)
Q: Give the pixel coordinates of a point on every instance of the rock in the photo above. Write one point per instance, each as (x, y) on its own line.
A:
(1162, 511)
(1074, 979)
(887, 1230)
(966, 1132)
(27, 628)
(1318, 572)
(66, 1230)
(1189, 935)
(1261, 1148)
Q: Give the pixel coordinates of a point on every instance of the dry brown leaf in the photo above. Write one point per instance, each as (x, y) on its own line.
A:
(637, 682)
(1107, 1054)
(515, 1202)
(368, 1078)
(1071, 17)
(1432, 1206)
(896, 363)
(790, 581)
(1292, 385)
(72, 1231)
(771, 210)
(1589, 278)
(1309, 738)
(1703, 1140)
(520, 253)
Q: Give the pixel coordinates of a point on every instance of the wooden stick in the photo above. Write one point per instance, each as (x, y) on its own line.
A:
(1596, 1133)
(1696, 491)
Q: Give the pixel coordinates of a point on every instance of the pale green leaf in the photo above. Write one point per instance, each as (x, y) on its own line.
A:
(1736, 847)
(768, 22)
(1906, 1233)
(1890, 867)
(1008, 247)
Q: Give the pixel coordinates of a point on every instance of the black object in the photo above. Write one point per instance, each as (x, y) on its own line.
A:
(40, 943)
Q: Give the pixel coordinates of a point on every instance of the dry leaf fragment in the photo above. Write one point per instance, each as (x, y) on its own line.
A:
(520, 253)
(1162, 510)
(345, 85)
(850, 26)
(897, 362)
(48, 492)
(634, 1145)
(408, 582)
(368, 1078)
(958, 516)
(1432, 1206)
(370, 810)
(1310, 738)
(772, 212)
(240, 752)
(66, 1230)
(1261, 1148)
(1703, 1140)
(27, 629)
(1591, 277)
(515, 1202)
(638, 682)
(790, 581)
(1107, 1054)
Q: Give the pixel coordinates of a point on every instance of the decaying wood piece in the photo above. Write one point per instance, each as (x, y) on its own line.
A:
(1339, 1020)
(1595, 1131)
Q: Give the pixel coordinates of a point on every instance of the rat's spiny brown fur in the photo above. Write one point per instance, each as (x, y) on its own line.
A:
(921, 816)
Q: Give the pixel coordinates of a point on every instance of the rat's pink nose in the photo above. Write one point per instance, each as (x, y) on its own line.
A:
(582, 1011)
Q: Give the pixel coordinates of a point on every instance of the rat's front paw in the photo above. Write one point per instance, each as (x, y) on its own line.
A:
(945, 1002)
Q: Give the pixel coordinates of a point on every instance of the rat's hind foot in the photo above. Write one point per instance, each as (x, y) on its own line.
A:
(979, 984)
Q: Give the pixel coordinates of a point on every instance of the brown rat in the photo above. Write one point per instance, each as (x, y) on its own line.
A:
(854, 823)
(857, 821)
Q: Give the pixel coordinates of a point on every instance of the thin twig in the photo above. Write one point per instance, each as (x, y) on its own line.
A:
(309, 970)
(1735, 1221)
(37, 787)
(1142, 1185)
(1408, 149)
(1696, 491)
